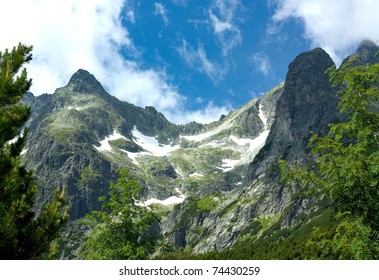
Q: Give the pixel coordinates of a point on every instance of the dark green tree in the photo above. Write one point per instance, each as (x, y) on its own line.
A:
(346, 163)
(123, 229)
(23, 234)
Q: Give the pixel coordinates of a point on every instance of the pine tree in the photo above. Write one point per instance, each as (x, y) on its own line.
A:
(23, 234)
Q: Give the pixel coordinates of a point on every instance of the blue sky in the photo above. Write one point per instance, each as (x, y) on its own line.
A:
(214, 53)
(192, 59)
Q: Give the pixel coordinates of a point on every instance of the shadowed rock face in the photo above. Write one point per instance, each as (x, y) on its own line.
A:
(84, 82)
(308, 104)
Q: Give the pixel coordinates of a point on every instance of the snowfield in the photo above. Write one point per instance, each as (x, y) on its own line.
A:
(172, 200)
(200, 137)
(104, 144)
(247, 148)
(151, 144)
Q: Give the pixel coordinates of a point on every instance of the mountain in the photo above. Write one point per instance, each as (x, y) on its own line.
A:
(80, 135)
(67, 126)
(215, 185)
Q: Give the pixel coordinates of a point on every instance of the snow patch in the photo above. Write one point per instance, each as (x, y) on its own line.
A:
(253, 146)
(249, 148)
(151, 144)
(172, 200)
(14, 140)
(229, 164)
(213, 144)
(262, 116)
(24, 151)
(135, 156)
(77, 108)
(179, 173)
(196, 175)
(104, 144)
(201, 137)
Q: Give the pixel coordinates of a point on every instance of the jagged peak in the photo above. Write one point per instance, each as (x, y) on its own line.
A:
(306, 66)
(365, 54)
(314, 56)
(84, 81)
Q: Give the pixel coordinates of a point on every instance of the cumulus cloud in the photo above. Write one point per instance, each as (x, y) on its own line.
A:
(66, 35)
(223, 15)
(197, 59)
(337, 26)
(161, 11)
(89, 34)
(262, 63)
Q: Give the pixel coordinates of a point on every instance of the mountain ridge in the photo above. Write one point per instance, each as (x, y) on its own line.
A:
(217, 184)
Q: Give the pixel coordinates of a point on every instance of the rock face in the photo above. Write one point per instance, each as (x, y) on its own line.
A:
(66, 126)
(308, 104)
(218, 184)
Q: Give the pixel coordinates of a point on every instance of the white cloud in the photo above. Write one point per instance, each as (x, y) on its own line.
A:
(220, 26)
(199, 100)
(208, 114)
(198, 60)
(66, 35)
(262, 63)
(337, 26)
(223, 15)
(130, 16)
(180, 2)
(222, 18)
(70, 34)
(160, 10)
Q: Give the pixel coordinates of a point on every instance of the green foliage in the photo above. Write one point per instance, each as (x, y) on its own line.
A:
(209, 202)
(195, 207)
(286, 249)
(88, 175)
(346, 239)
(123, 229)
(349, 239)
(229, 207)
(346, 165)
(23, 235)
(252, 229)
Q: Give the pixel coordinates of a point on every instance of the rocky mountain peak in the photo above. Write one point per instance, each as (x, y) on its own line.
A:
(308, 104)
(84, 82)
(367, 53)
(307, 66)
(307, 96)
(368, 45)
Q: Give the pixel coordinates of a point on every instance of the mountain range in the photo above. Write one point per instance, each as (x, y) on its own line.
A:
(215, 185)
